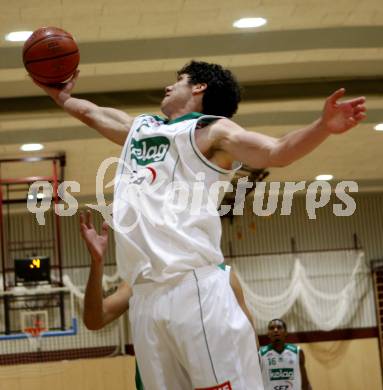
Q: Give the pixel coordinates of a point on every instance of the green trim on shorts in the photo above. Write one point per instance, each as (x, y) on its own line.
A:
(139, 384)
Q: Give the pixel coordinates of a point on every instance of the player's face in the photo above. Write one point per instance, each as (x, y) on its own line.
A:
(177, 95)
(276, 331)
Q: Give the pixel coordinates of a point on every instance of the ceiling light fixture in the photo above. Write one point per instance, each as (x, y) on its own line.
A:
(31, 147)
(18, 36)
(324, 177)
(379, 127)
(249, 22)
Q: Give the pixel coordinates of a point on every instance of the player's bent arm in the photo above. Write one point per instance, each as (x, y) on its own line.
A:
(99, 311)
(93, 299)
(238, 292)
(305, 380)
(117, 303)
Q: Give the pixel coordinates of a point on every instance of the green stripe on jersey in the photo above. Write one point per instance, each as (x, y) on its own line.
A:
(190, 115)
(292, 347)
(263, 350)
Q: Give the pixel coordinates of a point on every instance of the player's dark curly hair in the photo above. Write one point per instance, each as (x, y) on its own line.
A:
(222, 94)
(279, 320)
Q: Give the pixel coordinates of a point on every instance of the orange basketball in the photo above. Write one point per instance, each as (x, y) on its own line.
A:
(50, 55)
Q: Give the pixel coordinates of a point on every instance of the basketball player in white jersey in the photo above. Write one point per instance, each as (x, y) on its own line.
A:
(100, 311)
(187, 327)
(282, 364)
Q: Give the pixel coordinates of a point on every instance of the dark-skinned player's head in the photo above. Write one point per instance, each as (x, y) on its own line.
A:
(222, 94)
(277, 330)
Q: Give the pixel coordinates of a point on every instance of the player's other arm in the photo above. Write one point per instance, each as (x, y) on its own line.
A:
(238, 292)
(261, 151)
(305, 380)
(109, 122)
(98, 311)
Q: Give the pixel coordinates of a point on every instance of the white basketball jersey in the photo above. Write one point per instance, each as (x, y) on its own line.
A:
(165, 200)
(280, 371)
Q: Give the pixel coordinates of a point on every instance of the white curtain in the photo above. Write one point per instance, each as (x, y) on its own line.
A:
(327, 310)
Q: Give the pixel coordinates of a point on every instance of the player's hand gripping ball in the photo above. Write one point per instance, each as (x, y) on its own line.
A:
(51, 55)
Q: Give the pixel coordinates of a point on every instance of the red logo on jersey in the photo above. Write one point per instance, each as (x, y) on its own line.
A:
(153, 172)
(223, 386)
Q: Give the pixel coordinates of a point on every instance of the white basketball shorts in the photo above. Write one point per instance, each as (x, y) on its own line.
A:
(193, 335)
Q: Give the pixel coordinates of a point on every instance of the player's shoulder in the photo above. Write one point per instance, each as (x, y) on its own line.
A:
(292, 347)
(201, 120)
(224, 129)
(151, 118)
(206, 120)
(150, 121)
(218, 122)
(266, 348)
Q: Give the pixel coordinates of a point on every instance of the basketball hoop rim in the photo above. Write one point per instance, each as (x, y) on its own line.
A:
(34, 332)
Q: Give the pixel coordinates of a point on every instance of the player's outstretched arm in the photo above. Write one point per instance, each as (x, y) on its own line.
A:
(261, 151)
(98, 311)
(305, 380)
(109, 122)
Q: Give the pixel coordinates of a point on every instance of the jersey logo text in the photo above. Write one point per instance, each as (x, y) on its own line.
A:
(149, 150)
(277, 374)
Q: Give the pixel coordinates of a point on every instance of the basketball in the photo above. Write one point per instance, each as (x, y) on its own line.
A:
(50, 55)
